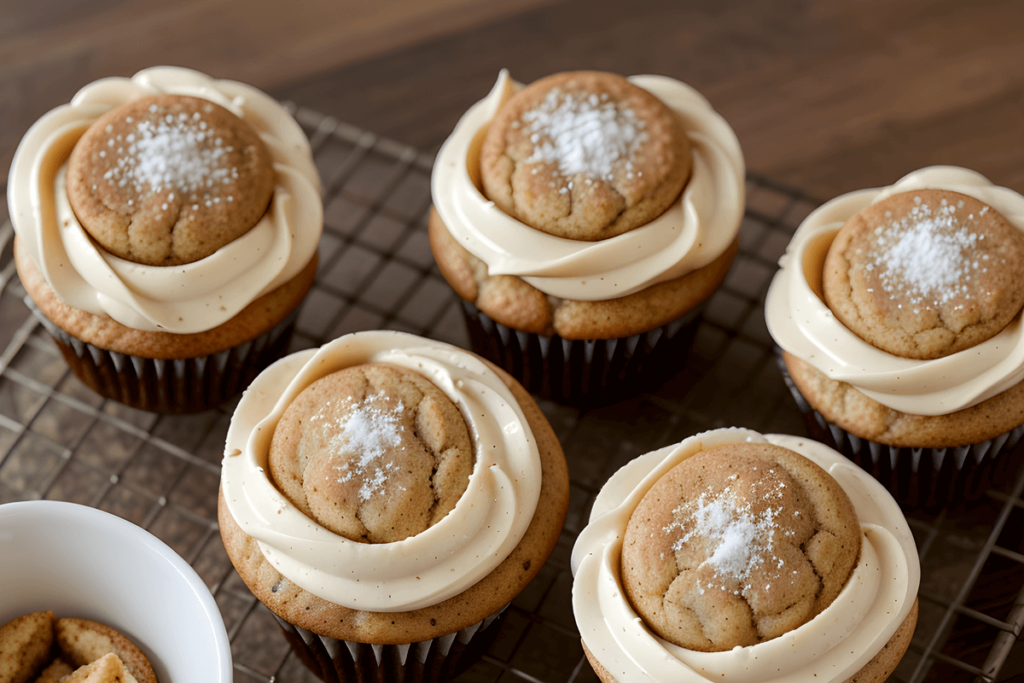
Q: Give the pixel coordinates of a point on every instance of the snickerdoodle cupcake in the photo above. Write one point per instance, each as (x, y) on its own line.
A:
(386, 496)
(898, 314)
(747, 558)
(166, 229)
(583, 220)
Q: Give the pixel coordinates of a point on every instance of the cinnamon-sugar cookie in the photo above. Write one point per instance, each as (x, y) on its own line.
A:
(738, 545)
(925, 274)
(374, 453)
(585, 155)
(169, 179)
(25, 645)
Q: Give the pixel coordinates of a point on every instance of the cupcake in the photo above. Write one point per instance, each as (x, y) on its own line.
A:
(166, 233)
(741, 557)
(387, 496)
(898, 314)
(584, 220)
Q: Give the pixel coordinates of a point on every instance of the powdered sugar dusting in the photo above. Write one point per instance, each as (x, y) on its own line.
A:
(927, 256)
(587, 135)
(368, 432)
(167, 152)
(743, 540)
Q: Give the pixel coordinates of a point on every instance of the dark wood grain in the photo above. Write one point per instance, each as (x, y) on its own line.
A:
(824, 94)
(828, 96)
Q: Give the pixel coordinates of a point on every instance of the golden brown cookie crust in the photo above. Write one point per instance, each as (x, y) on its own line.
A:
(25, 644)
(925, 274)
(737, 545)
(169, 179)
(875, 671)
(374, 453)
(584, 155)
(57, 670)
(487, 597)
(841, 404)
(515, 303)
(255, 319)
(82, 642)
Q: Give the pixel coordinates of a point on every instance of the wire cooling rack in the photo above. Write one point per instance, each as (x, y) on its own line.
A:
(60, 441)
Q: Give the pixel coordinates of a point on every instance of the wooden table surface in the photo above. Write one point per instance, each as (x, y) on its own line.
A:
(825, 95)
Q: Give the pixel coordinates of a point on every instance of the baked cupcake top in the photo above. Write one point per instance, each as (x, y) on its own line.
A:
(802, 323)
(925, 274)
(737, 545)
(698, 226)
(169, 179)
(306, 533)
(873, 601)
(190, 297)
(373, 453)
(584, 155)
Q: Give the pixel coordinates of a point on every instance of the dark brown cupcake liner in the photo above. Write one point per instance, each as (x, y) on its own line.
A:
(916, 477)
(579, 371)
(428, 661)
(186, 385)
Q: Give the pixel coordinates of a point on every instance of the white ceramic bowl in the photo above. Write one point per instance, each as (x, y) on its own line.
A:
(86, 563)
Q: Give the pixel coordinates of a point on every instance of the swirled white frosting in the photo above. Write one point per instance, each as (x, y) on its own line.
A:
(181, 299)
(434, 565)
(831, 647)
(803, 325)
(697, 229)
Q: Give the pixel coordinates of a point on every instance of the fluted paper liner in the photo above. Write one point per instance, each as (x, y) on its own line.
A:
(916, 477)
(428, 661)
(170, 386)
(582, 370)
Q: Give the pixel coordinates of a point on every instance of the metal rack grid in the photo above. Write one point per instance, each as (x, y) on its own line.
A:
(60, 441)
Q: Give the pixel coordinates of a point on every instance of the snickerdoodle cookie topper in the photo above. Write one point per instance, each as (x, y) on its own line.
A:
(585, 155)
(925, 274)
(374, 453)
(169, 179)
(737, 545)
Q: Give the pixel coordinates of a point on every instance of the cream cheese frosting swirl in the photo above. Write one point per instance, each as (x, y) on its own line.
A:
(181, 299)
(422, 570)
(698, 228)
(833, 646)
(803, 325)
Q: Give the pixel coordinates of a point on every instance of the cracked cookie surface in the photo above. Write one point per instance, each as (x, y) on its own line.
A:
(737, 545)
(585, 156)
(169, 179)
(925, 274)
(375, 453)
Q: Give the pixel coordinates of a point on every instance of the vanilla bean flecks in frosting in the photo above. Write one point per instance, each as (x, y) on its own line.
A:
(486, 524)
(186, 298)
(831, 647)
(802, 324)
(698, 227)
